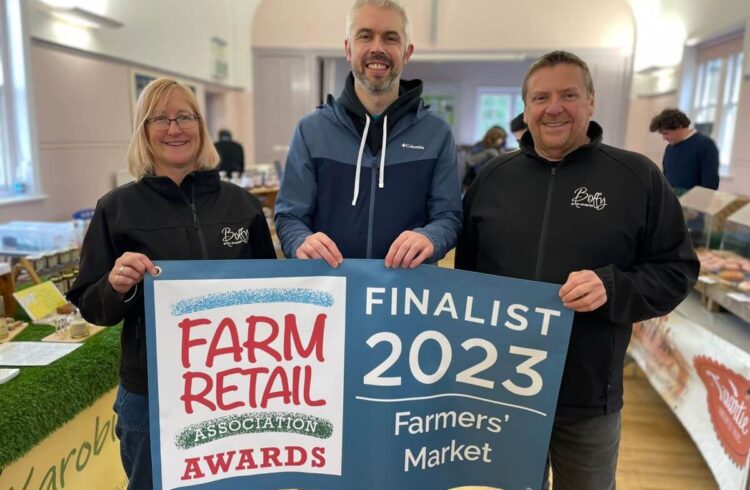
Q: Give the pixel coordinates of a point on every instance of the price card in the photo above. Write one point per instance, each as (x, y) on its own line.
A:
(707, 280)
(40, 300)
(739, 297)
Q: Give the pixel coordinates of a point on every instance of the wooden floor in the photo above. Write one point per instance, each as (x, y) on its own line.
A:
(656, 453)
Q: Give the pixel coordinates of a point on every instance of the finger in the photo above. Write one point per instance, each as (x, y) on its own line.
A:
(587, 303)
(574, 279)
(395, 246)
(414, 250)
(577, 292)
(401, 251)
(423, 255)
(322, 251)
(330, 246)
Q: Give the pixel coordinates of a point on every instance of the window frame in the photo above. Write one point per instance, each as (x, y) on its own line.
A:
(716, 110)
(516, 107)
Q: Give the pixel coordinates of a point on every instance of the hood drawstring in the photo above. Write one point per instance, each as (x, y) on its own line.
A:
(381, 176)
(359, 160)
(382, 152)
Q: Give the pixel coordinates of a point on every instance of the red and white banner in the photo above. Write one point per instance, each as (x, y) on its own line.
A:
(705, 381)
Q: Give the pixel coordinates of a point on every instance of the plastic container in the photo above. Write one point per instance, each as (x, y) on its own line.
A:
(36, 236)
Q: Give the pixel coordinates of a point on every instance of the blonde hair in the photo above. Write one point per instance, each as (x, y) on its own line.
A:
(151, 101)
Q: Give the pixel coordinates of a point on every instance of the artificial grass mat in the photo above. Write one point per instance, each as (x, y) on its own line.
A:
(42, 399)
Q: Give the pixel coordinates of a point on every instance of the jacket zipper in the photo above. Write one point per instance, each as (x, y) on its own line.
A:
(545, 221)
(371, 212)
(196, 221)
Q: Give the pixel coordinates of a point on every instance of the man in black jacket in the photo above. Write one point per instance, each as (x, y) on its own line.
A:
(603, 222)
(231, 154)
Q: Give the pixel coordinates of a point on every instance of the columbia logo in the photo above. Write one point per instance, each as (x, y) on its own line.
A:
(412, 147)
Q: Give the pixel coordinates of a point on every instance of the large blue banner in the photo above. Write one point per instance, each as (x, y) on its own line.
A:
(292, 374)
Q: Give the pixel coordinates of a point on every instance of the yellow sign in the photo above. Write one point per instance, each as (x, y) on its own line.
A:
(83, 451)
(40, 300)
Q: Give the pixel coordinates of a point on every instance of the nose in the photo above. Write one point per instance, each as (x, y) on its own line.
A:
(555, 105)
(377, 45)
(173, 128)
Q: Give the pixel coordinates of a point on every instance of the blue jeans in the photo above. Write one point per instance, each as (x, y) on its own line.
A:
(135, 442)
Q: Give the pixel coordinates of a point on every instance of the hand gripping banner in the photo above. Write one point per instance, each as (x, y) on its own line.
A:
(292, 374)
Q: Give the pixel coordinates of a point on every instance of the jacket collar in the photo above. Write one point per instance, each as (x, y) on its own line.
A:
(196, 183)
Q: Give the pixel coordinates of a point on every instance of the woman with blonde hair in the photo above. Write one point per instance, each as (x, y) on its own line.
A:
(177, 209)
(491, 146)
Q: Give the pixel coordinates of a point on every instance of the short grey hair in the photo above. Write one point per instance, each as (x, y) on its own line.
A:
(554, 58)
(394, 5)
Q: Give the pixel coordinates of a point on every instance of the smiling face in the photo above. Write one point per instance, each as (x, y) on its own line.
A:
(377, 50)
(174, 148)
(558, 110)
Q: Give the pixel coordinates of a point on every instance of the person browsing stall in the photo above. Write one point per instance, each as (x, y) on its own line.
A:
(371, 174)
(601, 221)
(690, 158)
(177, 209)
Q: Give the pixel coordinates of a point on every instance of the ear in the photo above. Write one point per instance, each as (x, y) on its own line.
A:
(592, 106)
(347, 50)
(408, 53)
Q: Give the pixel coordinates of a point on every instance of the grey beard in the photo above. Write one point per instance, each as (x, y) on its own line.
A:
(373, 89)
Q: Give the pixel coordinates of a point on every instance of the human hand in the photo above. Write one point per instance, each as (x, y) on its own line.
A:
(409, 250)
(583, 291)
(320, 246)
(129, 270)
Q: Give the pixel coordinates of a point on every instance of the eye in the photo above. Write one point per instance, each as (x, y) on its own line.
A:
(159, 120)
(539, 98)
(571, 96)
(183, 118)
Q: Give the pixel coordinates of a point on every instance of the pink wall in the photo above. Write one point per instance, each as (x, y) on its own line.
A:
(83, 122)
(83, 115)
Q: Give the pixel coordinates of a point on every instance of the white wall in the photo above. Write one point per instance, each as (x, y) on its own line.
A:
(173, 36)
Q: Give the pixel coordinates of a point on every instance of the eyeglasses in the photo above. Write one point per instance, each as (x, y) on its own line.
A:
(184, 121)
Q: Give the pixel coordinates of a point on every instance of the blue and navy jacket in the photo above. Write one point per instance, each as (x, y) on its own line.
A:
(320, 190)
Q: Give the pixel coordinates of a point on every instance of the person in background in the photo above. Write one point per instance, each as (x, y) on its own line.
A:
(372, 174)
(518, 127)
(493, 145)
(231, 154)
(691, 158)
(601, 221)
(177, 209)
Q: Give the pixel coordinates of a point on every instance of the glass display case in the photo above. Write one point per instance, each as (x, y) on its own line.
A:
(736, 237)
(705, 213)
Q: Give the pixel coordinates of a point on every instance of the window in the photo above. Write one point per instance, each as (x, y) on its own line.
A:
(497, 106)
(17, 168)
(717, 94)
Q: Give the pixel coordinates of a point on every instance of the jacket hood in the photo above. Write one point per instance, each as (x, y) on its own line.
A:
(594, 133)
(348, 109)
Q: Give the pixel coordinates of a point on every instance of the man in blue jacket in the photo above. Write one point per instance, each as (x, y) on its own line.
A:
(371, 174)
(691, 158)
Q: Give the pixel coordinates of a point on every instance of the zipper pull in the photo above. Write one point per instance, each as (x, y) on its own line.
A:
(554, 169)
(195, 216)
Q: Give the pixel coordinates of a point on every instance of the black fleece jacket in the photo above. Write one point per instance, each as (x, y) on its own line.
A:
(600, 208)
(203, 218)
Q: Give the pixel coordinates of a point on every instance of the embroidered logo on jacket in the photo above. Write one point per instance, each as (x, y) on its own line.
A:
(412, 147)
(582, 199)
(231, 238)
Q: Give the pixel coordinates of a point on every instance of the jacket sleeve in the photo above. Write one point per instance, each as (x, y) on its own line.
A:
(710, 166)
(444, 202)
(295, 204)
(666, 266)
(467, 248)
(92, 293)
